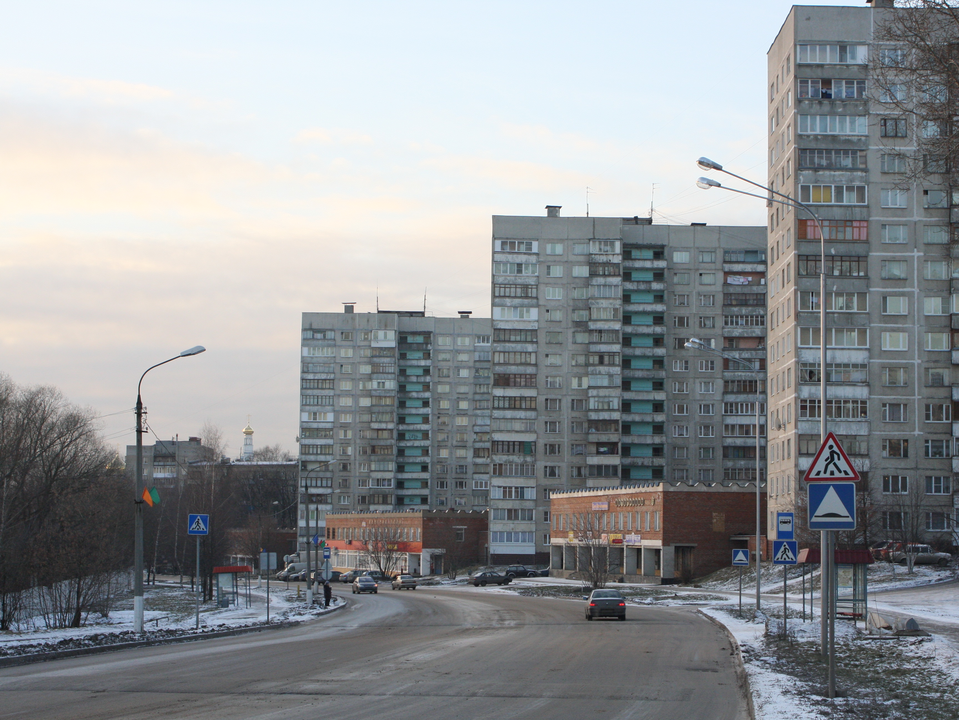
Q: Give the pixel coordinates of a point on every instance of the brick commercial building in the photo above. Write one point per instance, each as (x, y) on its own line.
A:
(420, 542)
(654, 531)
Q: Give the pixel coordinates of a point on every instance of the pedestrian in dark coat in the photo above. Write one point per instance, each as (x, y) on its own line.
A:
(327, 593)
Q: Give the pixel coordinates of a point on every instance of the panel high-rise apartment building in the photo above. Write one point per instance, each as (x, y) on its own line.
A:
(592, 384)
(394, 413)
(842, 143)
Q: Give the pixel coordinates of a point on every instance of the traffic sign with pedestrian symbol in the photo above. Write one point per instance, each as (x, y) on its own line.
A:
(831, 463)
(784, 552)
(832, 506)
(198, 524)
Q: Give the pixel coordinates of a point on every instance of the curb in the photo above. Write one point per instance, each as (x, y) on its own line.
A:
(743, 681)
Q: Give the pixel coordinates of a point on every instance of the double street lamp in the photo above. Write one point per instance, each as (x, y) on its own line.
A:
(138, 498)
(695, 344)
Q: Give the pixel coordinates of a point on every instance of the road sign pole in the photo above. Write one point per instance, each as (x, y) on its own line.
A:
(198, 582)
(741, 591)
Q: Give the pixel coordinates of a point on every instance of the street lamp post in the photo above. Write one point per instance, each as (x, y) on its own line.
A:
(696, 344)
(306, 494)
(138, 499)
(828, 574)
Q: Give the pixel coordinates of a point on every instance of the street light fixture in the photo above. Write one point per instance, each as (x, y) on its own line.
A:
(828, 601)
(696, 344)
(138, 499)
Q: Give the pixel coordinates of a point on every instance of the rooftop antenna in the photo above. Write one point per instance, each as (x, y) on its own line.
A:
(378, 298)
(653, 190)
(424, 301)
(588, 201)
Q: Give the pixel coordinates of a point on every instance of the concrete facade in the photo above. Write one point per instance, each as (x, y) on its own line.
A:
(592, 384)
(394, 413)
(891, 295)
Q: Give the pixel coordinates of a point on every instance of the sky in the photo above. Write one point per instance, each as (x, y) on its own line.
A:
(179, 173)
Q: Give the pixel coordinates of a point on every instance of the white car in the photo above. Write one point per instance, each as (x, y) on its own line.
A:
(923, 555)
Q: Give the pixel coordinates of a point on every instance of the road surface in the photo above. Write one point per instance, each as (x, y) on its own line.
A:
(432, 653)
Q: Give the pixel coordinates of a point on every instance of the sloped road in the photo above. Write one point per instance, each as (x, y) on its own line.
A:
(450, 653)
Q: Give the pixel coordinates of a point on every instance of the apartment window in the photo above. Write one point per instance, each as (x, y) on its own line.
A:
(706, 387)
(849, 230)
(936, 521)
(893, 305)
(681, 300)
(708, 365)
(705, 453)
(937, 270)
(707, 322)
(893, 198)
(681, 431)
(842, 54)
(708, 256)
(894, 519)
(935, 199)
(893, 269)
(893, 412)
(708, 278)
(894, 376)
(893, 234)
(554, 249)
(551, 403)
(507, 268)
(936, 448)
(832, 124)
(681, 256)
(707, 300)
(894, 448)
(681, 365)
(936, 234)
(937, 485)
(892, 163)
(554, 271)
(680, 409)
(936, 341)
(937, 412)
(895, 127)
(553, 293)
(706, 431)
(681, 386)
(681, 321)
(681, 278)
(895, 484)
(937, 377)
(580, 271)
(833, 159)
(897, 341)
(551, 426)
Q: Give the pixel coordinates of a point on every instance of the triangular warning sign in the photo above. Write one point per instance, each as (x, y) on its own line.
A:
(831, 463)
(831, 508)
(741, 558)
(785, 554)
(198, 526)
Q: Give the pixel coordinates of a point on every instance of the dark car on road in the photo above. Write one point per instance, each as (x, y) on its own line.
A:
(606, 603)
(365, 584)
(520, 571)
(488, 577)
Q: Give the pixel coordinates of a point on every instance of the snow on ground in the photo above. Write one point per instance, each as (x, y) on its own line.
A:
(908, 677)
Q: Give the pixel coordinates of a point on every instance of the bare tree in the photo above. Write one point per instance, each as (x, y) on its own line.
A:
(593, 551)
(383, 536)
(906, 515)
(272, 453)
(913, 72)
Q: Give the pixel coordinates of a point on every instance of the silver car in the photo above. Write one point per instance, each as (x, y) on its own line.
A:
(404, 582)
(365, 584)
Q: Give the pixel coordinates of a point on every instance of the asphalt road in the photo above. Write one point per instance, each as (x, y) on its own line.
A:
(452, 653)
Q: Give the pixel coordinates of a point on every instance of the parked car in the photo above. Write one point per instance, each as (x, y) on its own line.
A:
(515, 571)
(349, 576)
(365, 584)
(376, 575)
(881, 551)
(318, 576)
(404, 582)
(606, 603)
(290, 571)
(488, 577)
(923, 555)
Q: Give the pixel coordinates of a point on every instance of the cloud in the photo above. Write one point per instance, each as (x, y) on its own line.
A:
(332, 136)
(104, 91)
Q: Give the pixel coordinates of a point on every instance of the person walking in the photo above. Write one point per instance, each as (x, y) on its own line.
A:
(327, 593)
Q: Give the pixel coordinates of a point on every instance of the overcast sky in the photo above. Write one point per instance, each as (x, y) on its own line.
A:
(183, 173)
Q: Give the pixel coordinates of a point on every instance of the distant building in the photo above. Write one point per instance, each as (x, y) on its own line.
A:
(654, 532)
(421, 542)
(166, 463)
(394, 413)
(246, 454)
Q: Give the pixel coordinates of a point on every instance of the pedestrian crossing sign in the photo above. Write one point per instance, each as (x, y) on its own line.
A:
(198, 524)
(831, 463)
(784, 552)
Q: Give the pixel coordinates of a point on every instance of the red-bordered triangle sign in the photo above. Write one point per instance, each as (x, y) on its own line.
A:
(831, 463)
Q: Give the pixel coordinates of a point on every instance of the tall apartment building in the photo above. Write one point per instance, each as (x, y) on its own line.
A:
(394, 413)
(592, 385)
(841, 144)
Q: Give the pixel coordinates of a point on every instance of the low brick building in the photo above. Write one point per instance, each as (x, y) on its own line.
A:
(421, 542)
(655, 531)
